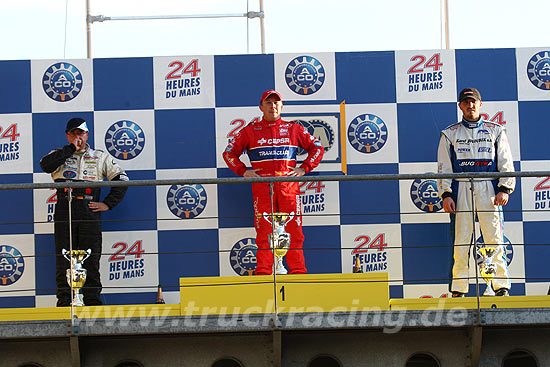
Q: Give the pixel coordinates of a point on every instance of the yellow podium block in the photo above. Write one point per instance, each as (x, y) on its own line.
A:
(127, 311)
(470, 302)
(88, 312)
(332, 292)
(227, 295)
(32, 314)
(294, 294)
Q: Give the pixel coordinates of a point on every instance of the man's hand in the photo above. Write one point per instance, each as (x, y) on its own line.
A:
(296, 171)
(97, 207)
(78, 142)
(501, 198)
(449, 205)
(252, 173)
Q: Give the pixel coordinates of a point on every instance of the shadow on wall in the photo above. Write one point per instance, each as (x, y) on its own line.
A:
(519, 358)
(324, 361)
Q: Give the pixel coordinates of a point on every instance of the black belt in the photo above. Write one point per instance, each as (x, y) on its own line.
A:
(77, 197)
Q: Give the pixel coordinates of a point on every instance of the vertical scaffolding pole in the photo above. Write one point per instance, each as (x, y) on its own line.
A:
(445, 23)
(88, 31)
(262, 28)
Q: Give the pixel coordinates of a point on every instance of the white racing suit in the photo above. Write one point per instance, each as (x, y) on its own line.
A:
(66, 164)
(476, 147)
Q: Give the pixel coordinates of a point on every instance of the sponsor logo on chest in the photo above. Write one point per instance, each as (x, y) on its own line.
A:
(273, 141)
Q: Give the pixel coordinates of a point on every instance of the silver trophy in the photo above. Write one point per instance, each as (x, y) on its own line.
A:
(76, 274)
(487, 268)
(279, 239)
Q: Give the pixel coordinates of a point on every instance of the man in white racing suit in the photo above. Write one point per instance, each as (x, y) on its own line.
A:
(77, 161)
(475, 145)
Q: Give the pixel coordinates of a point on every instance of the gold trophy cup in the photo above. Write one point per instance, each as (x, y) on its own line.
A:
(76, 274)
(279, 239)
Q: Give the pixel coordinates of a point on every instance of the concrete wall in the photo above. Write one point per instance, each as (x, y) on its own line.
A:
(50, 352)
(353, 348)
(181, 351)
(374, 348)
(497, 343)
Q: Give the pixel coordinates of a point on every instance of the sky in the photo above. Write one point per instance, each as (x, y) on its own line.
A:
(56, 29)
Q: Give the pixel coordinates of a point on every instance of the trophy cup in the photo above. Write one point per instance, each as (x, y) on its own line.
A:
(76, 274)
(487, 268)
(279, 240)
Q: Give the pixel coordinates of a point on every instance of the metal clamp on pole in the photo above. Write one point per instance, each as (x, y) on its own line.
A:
(97, 18)
(255, 14)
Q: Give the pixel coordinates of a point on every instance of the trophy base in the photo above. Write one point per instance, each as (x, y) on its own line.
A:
(78, 300)
(280, 268)
(489, 291)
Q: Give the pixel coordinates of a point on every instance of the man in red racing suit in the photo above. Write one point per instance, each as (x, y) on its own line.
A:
(272, 145)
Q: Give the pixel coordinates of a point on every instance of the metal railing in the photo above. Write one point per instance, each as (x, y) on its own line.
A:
(313, 178)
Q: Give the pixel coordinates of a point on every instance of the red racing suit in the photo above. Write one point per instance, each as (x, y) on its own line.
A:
(272, 148)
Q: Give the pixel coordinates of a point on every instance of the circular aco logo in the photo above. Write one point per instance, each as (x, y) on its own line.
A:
(243, 256)
(425, 196)
(62, 82)
(367, 133)
(538, 70)
(507, 246)
(12, 265)
(124, 139)
(186, 201)
(321, 130)
(69, 174)
(304, 75)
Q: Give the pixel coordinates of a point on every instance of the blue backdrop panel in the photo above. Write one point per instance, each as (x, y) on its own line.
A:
(187, 253)
(16, 216)
(534, 131)
(185, 137)
(416, 144)
(123, 84)
(536, 256)
(139, 206)
(422, 244)
(135, 298)
(234, 203)
(240, 80)
(15, 94)
(364, 202)
(17, 302)
(365, 77)
(492, 71)
(44, 247)
(322, 249)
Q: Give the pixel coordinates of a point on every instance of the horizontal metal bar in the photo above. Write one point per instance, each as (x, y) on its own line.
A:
(102, 18)
(240, 180)
(526, 319)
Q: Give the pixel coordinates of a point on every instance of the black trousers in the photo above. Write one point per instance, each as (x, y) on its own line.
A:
(86, 234)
